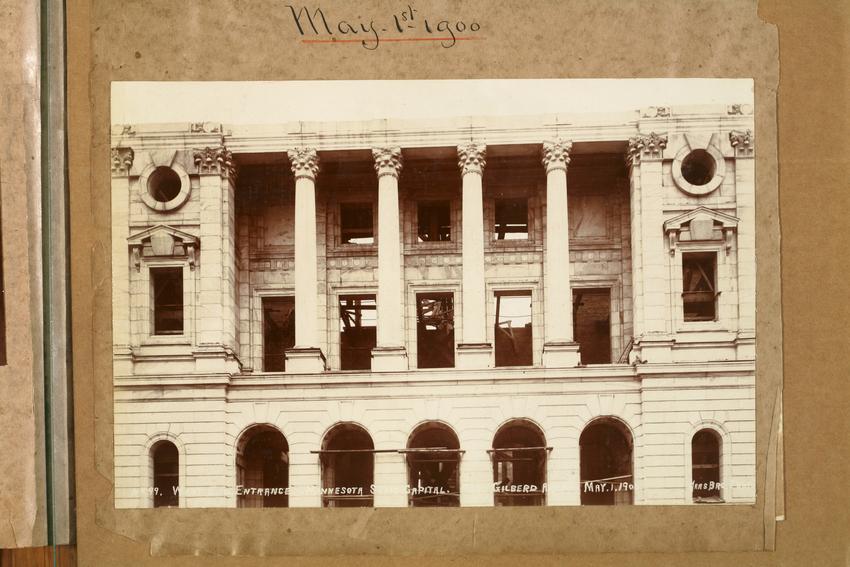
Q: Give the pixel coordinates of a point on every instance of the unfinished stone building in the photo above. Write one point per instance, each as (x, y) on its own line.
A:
(551, 310)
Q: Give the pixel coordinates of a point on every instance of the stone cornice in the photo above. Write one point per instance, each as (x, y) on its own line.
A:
(122, 161)
(472, 158)
(387, 161)
(556, 154)
(646, 146)
(304, 163)
(743, 142)
(215, 161)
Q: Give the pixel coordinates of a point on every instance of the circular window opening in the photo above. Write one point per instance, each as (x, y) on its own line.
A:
(164, 184)
(698, 167)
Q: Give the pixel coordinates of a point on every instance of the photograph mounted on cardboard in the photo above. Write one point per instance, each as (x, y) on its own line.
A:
(434, 293)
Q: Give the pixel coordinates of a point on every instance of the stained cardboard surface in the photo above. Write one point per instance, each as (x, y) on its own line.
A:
(22, 474)
(241, 40)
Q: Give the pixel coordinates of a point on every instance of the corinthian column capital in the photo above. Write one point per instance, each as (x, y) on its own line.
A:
(304, 162)
(387, 161)
(556, 154)
(122, 161)
(471, 158)
(649, 146)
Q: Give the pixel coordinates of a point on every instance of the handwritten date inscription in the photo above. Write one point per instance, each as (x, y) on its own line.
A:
(407, 25)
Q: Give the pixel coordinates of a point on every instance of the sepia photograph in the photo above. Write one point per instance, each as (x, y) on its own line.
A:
(466, 293)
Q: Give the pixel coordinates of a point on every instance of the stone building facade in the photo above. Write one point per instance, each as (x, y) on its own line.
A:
(504, 311)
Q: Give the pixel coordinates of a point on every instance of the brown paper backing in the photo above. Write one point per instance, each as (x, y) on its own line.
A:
(255, 40)
(22, 450)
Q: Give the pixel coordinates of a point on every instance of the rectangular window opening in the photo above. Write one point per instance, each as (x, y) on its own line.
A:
(434, 221)
(699, 286)
(167, 301)
(511, 219)
(356, 223)
(435, 330)
(358, 331)
(513, 329)
(278, 331)
(592, 324)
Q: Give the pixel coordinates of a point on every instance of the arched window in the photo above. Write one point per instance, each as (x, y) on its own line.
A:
(166, 475)
(348, 466)
(262, 468)
(606, 463)
(433, 455)
(705, 462)
(519, 465)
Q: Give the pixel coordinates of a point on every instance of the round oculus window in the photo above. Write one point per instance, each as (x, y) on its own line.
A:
(164, 184)
(699, 167)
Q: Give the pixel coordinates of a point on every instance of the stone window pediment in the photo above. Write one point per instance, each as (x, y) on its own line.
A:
(701, 225)
(163, 241)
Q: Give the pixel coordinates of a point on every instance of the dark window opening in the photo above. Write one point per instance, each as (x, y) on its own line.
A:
(164, 184)
(606, 464)
(434, 221)
(262, 468)
(705, 457)
(348, 464)
(167, 301)
(698, 167)
(519, 465)
(435, 330)
(513, 329)
(433, 459)
(356, 223)
(699, 295)
(592, 324)
(278, 331)
(511, 219)
(358, 328)
(166, 475)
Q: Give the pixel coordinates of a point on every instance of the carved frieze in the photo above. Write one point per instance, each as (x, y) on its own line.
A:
(556, 154)
(217, 160)
(122, 161)
(742, 142)
(472, 158)
(304, 162)
(387, 161)
(646, 146)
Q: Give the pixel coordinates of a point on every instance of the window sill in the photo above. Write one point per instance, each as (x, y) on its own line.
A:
(166, 340)
(349, 250)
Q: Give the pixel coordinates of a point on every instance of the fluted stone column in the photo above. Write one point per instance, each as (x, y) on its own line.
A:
(559, 348)
(307, 355)
(650, 272)
(389, 354)
(473, 351)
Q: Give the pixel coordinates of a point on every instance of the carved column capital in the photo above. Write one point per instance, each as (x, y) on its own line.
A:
(304, 162)
(743, 142)
(387, 161)
(649, 146)
(122, 161)
(556, 154)
(215, 161)
(472, 158)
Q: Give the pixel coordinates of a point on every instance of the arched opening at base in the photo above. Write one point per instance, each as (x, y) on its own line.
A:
(262, 468)
(606, 463)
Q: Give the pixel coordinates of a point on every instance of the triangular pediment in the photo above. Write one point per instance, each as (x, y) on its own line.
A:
(722, 219)
(162, 230)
